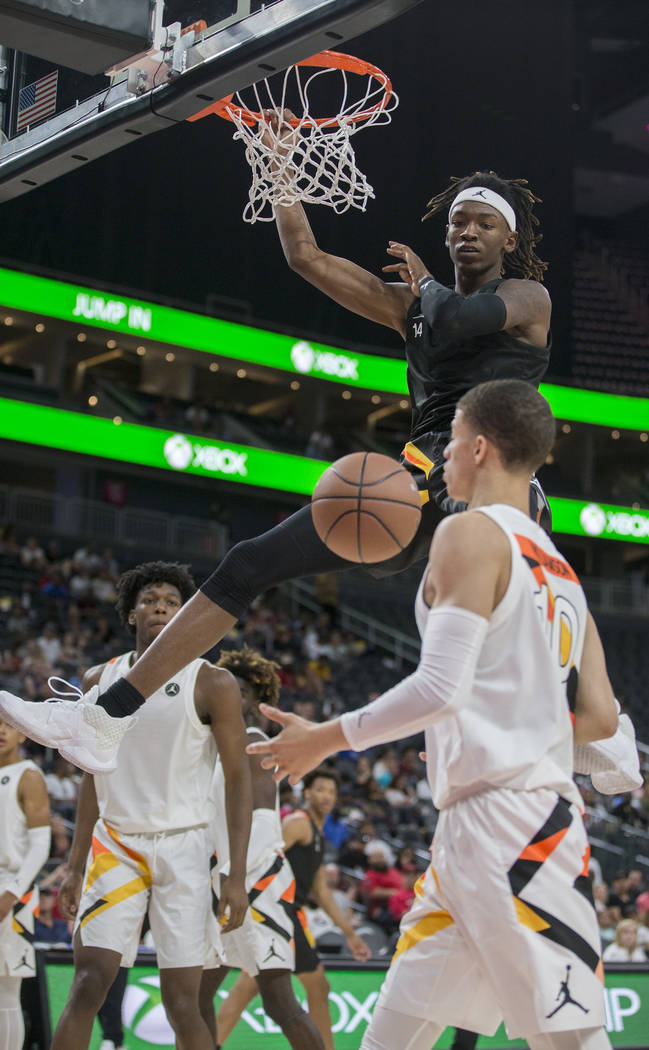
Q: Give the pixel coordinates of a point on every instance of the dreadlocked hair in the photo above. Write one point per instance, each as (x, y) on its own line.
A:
(523, 261)
(249, 665)
(149, 574)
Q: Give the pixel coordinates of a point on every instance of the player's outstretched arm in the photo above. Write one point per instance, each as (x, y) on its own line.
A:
(343, 281)
(596, 715)
(468, 571)
(323, 896)
(218, 700)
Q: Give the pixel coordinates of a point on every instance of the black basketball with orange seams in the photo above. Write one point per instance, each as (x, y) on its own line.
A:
(366, 507)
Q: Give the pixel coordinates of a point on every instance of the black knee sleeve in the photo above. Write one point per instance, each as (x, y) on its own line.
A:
(286, 552)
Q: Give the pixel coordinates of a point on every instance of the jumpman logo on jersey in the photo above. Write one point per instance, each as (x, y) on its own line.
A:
(272, 954)
(23, 962)
(567, 998)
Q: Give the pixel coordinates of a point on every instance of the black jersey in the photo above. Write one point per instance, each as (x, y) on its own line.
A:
(442, 369)
(305, 861)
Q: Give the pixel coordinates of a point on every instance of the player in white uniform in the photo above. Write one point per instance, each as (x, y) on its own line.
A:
(143, 828)
(24, 848)
(503, 924)
(263, 944)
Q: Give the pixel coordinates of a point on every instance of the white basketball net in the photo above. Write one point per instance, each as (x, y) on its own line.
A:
(313, 162)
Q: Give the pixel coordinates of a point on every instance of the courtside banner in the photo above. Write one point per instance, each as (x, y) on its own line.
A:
(83, 306)
(260, 467)
(352, 998)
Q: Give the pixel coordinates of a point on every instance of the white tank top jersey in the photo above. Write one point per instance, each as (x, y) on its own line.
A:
(219, 829)
(165, 762)
(514, 730)
(13, 824)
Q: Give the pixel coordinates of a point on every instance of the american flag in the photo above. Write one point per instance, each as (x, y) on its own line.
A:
(37, 100)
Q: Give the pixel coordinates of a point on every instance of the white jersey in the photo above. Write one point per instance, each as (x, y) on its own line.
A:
(257, 857)
(165, 763)
(514, 729)
(13, 823)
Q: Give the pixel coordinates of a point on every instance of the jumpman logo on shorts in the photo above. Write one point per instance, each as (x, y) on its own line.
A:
(567, 998)
(272, 954)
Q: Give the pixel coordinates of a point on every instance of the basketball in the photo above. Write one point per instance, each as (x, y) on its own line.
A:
(366, 507)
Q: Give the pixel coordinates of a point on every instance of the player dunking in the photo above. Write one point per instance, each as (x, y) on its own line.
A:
(494, 323)
(141, 831)
(263, 944)
(304, 847)
(24, 848)
(507, 649)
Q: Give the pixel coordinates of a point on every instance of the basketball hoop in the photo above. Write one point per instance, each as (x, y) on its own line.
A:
(315, 163)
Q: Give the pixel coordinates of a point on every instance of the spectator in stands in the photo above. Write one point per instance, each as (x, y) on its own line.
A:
(63, 789)
(47, 929)
(103, 588)
(642, 905)
(366, 787)
(625, 947)
(381, 882)
(32, 555)
(635, 884)
(406, 860)
(620, 898)
(600, 895)
(87, 558)
(8, 543)
(49, 644)
(607, 923)
(80, 585)
(353, 855)
(401, 901)
(60, 838)
(386, 767)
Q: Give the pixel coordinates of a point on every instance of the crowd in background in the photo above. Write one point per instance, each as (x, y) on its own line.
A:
(57, 618)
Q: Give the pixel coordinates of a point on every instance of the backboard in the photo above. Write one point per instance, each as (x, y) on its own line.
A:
(202, 51)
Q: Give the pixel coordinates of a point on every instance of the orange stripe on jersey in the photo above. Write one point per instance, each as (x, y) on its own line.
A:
(540, 851)
(548, 562)
(599, 972)
(586, 862)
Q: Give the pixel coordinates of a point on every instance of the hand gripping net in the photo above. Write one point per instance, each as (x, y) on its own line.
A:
(314, 162)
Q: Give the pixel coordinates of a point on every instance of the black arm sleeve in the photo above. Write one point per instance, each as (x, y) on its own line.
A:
(455, 315)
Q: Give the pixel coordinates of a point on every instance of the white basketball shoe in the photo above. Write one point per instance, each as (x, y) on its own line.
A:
(82, 732)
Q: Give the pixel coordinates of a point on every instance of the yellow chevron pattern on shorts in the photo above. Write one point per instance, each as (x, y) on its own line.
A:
(257, 916)
(424, 927)
(122, 893)
(528, 917)
(102, 863)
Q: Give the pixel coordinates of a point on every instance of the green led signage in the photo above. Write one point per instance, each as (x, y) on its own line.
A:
(74, 303)
(150, 447)
(188, 454)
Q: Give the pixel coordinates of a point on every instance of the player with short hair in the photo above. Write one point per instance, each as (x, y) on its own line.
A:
(494, 323)
(142, 830)
(304, 847)
(263, 944)
(508, 652)
(24, 849)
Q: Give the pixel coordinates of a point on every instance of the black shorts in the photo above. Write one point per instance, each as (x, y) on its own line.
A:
(306, 957)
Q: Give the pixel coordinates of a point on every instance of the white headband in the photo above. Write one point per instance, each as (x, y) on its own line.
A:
(489, 197)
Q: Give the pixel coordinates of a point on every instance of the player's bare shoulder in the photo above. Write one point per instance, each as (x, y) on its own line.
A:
(216, 691)
(469, 563)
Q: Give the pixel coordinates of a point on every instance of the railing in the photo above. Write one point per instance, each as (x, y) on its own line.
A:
(619, 597)
(48, 514)
(398, 644)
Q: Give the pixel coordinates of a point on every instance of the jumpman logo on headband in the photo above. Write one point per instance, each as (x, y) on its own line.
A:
(479, 193)
(567, 998)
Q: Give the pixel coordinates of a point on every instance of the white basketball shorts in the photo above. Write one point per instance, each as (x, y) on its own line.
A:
(168, 874)
(502, 926)
(264, 941)
(17, 934)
